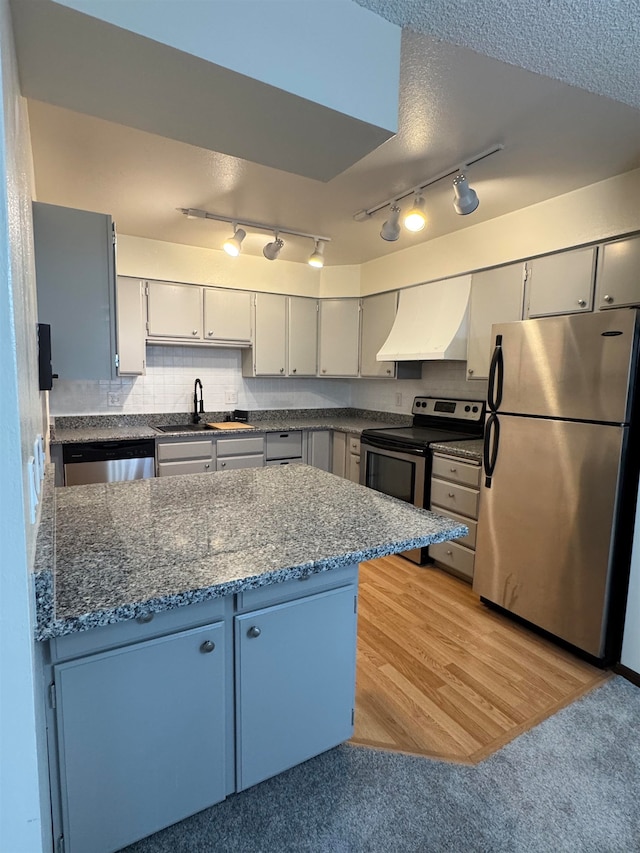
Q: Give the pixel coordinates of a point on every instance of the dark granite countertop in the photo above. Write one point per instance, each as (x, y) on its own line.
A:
(470, 449)
(152, 545)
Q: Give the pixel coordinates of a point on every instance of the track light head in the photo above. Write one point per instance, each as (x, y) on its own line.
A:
(233, 245)
(391, 228)
(316, 259)
(465, 200)
(416, 219)
(272, 249)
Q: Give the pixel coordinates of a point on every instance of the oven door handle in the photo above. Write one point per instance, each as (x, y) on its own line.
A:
(382, 444)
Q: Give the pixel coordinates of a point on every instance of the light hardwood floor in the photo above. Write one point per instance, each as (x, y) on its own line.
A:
(440, 674)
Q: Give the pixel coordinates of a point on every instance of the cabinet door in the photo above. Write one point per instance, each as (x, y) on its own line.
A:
(295, 682)
(131, 322)
(192, 466)
(339, 326)
(562, 283)
(378, 314)
(496, 297)
(142, 738)
(227, 315)
(320, 449)
(617, 280)
(174, 311)
(339, 454)
(302, 328)
(75, 276)
(269, 341)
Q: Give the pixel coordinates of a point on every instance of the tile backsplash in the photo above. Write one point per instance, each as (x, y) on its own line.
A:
(172, 370)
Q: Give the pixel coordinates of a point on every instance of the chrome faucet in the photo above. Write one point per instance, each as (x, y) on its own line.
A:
(196, 417)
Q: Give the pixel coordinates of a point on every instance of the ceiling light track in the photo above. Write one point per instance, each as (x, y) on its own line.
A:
(459, 168)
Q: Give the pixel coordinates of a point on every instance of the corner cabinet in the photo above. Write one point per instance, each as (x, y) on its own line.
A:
(338, 334)
(496, 297)
(76, 288)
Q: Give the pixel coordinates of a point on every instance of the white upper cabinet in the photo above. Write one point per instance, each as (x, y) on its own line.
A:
(302, 329)
(227, 315)
(339, 336)
(269, 345)
(617, 280)
(130, 306)
(561, 283)
(496, 297)
(174, 311)
(378, 313)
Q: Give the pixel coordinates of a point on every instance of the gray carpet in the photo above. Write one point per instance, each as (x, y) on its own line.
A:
(570, 784)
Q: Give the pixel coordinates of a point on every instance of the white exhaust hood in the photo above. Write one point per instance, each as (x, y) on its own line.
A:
(431, 323)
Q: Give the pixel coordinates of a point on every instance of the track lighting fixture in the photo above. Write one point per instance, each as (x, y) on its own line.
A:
(316, 259)
(416, 219)
(233, 245)
(271, 251)
(391, 228)
(465, 199)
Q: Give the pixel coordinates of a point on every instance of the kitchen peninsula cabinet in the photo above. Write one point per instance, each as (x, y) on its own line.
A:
(496, 297)
(76, 287)
(617, 280)
(338, 334)
(561, 284)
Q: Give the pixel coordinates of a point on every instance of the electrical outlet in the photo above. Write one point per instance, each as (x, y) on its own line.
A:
(398, 398)
(113, 398)
(231, 398)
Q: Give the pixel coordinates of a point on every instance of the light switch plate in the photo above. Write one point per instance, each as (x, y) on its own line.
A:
(231, 397)
(113, 398)
(33, 492)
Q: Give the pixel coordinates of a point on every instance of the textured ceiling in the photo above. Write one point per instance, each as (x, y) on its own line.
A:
(454, 102)
(593, 44)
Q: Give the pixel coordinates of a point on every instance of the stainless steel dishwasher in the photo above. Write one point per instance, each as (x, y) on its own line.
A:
(108, 461)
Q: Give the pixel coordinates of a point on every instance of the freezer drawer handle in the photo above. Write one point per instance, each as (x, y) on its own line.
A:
(490, 449)
(496, 377)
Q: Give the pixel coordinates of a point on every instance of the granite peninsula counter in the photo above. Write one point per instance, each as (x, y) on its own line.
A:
(130, 548)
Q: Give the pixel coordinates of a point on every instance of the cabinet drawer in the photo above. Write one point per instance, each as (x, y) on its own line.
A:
(455, 557)
(190, 466)
(234, 463)
(136, 630)
(470, 539)
(276, 592)
(354, 445)
(458, 498)
(284, 462)
(451, 468)
(175, 450)
(240, 446)
(284, 445)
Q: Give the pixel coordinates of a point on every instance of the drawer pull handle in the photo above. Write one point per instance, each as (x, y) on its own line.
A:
(254, 631)
(145, 618)
(451, 494)
(284, 435)
(207, 646)
(453, 470)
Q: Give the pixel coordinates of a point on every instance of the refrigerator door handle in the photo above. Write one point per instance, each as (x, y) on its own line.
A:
(496, 377)
(490, 448)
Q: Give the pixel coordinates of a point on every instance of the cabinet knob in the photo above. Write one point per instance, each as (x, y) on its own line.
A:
(470, 371)
(206, 464)
(453, 470)
(608, 299)
(582, 303)
(451, 494)
(449, 553)
(254, 631)
(294, 370)
(207, 646)
(210, 333)
(388, 371)
(195, 332)
(282, 370)
(223, 464)
(324, 369)
(144, 618)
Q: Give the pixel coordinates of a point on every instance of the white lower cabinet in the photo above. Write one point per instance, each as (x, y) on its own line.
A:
(242, 452)
(141, 719)
(187, 456)
(455, 493)
(141, 737)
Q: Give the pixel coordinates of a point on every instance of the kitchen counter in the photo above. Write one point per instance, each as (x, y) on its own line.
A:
(123, 549)
(466, 448)
(82, 434)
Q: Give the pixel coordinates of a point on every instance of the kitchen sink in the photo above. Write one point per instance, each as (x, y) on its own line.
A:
(183, 428)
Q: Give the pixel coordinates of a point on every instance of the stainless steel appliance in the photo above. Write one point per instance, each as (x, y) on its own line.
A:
(108, 461)
(397, 460)
(556, 503)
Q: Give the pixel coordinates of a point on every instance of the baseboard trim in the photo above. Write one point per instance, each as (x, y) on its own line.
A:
(630, 674)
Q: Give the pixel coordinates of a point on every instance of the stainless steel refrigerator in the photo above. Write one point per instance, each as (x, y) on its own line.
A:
(560, 475)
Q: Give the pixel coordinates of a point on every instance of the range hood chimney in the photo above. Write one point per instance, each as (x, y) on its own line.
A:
(431, 323)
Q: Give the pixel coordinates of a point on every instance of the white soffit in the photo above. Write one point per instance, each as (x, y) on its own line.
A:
(332, 116)
(431, 323)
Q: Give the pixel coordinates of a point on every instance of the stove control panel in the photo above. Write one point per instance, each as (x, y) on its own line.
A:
(458, 410)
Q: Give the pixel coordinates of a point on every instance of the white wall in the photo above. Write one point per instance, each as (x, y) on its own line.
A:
(22, 780)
